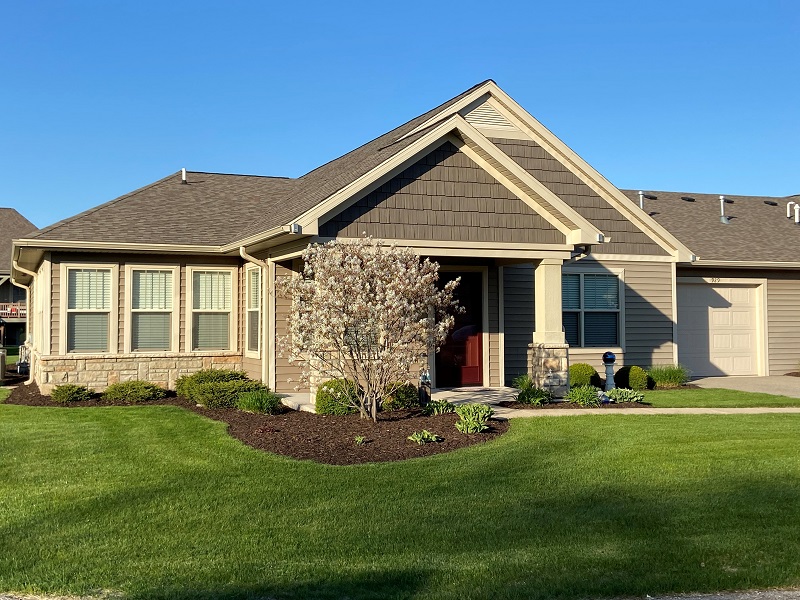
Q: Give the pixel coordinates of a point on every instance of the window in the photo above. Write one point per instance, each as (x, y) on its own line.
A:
(151, 327)
(212, 309)
(253, 310)
(89, 304)
(590, 305)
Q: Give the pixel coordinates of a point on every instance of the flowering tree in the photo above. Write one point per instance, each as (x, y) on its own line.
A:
(366, 312)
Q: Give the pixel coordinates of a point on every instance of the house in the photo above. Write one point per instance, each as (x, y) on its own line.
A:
(13, 301)
(557, 264)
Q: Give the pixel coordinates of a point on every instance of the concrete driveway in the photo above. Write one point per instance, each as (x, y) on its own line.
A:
(780, 385)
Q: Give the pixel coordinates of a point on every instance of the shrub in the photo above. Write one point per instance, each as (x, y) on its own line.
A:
(69, 392)
(224, 394)
(633, 378)
(582, 374)
(185, 384)
(424, 437)
(134, 392)
(439, 407)
(668, 376)
(259, 401)
(473, 418)
(625, 395)
(584, 395)
(336, 397)
(405, 395)
(534, 396)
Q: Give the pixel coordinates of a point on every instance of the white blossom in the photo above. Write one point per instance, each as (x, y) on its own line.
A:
(368, 312)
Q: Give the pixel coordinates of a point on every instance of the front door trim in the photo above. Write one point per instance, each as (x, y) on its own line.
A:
(484, 270)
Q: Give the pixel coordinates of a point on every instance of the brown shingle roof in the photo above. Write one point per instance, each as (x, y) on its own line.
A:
(215, 209)
(12, 225)
(209, 210)
(757, 231)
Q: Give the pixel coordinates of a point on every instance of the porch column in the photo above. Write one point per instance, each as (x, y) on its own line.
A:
(548, 355)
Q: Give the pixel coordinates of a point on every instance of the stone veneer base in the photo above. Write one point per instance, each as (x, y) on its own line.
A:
(98, 371)
(548, 366)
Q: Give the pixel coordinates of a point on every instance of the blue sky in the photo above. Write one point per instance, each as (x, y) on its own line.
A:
(100, 98)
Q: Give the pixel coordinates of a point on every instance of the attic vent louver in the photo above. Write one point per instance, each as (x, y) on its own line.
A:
(687, 198)
(486, 115)
(770, 203)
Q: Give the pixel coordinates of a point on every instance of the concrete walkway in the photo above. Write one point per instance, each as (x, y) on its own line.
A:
(494, 395)
(781, 385)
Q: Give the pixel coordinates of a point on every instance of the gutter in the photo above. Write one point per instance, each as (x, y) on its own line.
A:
(27, 288)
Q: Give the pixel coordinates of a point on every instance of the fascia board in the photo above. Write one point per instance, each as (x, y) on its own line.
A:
(115, 246)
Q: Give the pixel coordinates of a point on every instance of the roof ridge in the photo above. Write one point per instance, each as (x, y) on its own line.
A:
(427, 112)
(242, 175)
(94, 209)
(647, 190)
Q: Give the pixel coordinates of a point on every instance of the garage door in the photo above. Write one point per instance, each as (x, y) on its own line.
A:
(717, 329)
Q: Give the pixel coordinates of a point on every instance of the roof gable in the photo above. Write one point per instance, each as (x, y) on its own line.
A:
(444, 196)
(12, 225)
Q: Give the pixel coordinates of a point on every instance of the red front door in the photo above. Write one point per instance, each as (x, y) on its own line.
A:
(460, 360)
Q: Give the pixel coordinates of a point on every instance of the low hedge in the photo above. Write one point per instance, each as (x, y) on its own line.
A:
(134, 392)
(185, 385)
(404, 395)
(633, 378)
(581, 374)
(224, 394)
(69, 392)
(334, 397)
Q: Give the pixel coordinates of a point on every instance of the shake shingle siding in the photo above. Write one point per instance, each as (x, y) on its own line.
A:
(626, 238)
(445, 197)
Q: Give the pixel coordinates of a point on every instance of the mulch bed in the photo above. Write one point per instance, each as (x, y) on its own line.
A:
(324, 439)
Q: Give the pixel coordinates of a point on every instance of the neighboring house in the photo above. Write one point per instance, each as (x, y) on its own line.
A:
(13, 301)
(179, 275)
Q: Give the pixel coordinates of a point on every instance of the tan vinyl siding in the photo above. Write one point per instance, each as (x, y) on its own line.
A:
(648, 318)
(284, 370)
(443, 197)
(518, 317)
(55, 312)
(495, 377)
(252, 367)
(626, 238)
(783, 323)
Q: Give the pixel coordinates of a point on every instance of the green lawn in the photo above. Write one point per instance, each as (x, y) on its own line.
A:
(12, 354)
(715, 398)
(160, 503)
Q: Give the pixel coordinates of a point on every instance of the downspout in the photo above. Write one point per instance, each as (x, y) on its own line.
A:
(264, 265)
(28, 308)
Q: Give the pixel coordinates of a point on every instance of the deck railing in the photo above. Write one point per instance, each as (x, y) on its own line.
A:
(13, 310)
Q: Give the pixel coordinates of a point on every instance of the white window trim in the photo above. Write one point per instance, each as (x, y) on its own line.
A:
(233, 345)
(599, 270)
(247, 352)
(113, 316)
(175, 321)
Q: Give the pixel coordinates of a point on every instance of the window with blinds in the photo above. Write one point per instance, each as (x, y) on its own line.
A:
(590, 305)
(151, 309)
(88, 309)
(211, 310)
(253, 309)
